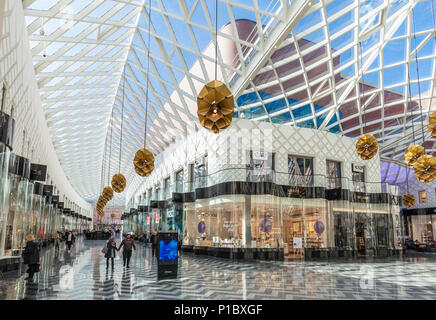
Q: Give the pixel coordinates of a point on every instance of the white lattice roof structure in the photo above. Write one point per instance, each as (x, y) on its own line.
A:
(344, 66)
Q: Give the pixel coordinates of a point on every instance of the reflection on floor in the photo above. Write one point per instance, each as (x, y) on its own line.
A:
(83, 275)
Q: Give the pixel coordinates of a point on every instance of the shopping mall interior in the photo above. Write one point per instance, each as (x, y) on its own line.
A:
(217, 149)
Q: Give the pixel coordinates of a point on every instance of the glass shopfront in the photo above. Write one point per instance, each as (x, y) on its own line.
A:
(422, 228)
(4, 193)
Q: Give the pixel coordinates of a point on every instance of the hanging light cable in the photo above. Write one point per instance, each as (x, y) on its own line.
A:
(367, 145)
(432, 119)
(415, 151)
(108, 192)
(425, 166)
(408, 198)
(143, 161)
(215, 101)
(118, 180)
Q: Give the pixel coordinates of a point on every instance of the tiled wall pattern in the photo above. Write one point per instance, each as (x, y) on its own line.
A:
(16, 70)
(415, 186)
(228, 150)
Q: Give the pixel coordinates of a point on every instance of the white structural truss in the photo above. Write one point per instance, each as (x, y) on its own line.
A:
(339, 65)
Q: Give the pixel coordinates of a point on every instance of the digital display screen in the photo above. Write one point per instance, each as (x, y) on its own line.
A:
(168, 251)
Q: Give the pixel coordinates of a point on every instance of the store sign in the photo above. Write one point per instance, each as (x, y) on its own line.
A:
(357, 168)
(170, 213)
(47, 190)
(199, 162)
(260, 155)
(38, 172)
(298, 243)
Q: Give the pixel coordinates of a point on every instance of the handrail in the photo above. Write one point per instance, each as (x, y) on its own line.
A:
(243, 174)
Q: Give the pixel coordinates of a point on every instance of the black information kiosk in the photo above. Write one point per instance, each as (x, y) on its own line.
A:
(167, 254)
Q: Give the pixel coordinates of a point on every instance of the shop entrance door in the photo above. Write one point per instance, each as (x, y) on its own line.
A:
(293, 236)
(360, 235)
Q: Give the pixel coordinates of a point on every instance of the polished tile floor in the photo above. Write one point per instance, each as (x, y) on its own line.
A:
(83, 275)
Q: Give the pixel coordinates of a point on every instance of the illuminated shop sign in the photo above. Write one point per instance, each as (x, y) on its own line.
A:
(260, 155)
(357, 168)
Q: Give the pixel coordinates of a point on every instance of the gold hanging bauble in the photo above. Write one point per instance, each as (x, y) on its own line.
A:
(118, 183)
(143, 158)
(102, 199)
(366, 146)
(143, 162)
(432, 124)
(413, 153)
(142, 172)
(100, 212)
(112, 215)
(425, 168)
(215, 106)
(108, 193)
(408, 200)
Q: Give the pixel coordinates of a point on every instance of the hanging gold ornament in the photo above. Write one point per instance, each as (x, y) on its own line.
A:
(142, 172)
(100, 205)
(100, 212)
(413, 153)
(366, 146)
(112, 215)
(408, 200)
(432, 124)
(425, 168)
(143, 162)
(108, 193)
(102, 199)
(118, 183)
(215, 106)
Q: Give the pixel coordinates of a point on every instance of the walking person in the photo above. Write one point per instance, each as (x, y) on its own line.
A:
(153, 240)
(111, 252)
(69, 238)
(31, 256)
(57, 240)
(128, 244)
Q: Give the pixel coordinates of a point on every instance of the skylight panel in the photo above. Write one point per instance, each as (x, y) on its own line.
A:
(102, 9)
(121, 14)
(77, 29)
(75, 66)
(76, 6)
(52, 66)
(43, 4)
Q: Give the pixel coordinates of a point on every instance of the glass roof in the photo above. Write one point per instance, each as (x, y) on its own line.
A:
(338, 65)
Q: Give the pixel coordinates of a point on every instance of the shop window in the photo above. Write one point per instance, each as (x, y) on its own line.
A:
(191, 177)
(260, 166)
(179, 181)
(166, 188)
(333, 174)
(150, 194)
(300, 171)
(358, 177)
(421, 228)
(422, 196)
(200, 172)
(266, 227)
(383, 225)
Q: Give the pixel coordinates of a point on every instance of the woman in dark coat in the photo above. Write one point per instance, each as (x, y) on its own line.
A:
(31, 256)
(111, 251)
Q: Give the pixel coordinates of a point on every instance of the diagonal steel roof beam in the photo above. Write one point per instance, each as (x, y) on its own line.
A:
(396, 19)
(293, 14)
